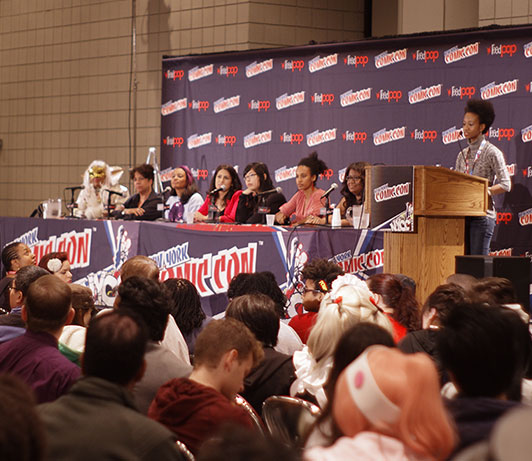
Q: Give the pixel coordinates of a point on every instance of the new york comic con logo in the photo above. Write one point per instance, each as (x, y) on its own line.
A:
(420, 94)
(527, 50)
(227, 71)
(173, 106)
(386, 192)
(502, 50)
(494, 90)
(352, 264)
(451, 135)
(210, 274)
(288, 100)
(526, 134)
(351, 97)
(456, 53)
(426, 55)
(385, 59)
(354, 60)
(197, 140)
(255, 139)
(385, 136)
(319, 137)
(256, 68)
(525, 217)
(223, 104)
(318, 63)
(200, 72)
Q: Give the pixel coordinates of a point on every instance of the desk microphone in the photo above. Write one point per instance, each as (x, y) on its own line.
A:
(330, 189)
(218, 189)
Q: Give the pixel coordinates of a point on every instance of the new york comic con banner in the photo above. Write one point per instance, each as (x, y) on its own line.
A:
(207, 255)
(396, 102)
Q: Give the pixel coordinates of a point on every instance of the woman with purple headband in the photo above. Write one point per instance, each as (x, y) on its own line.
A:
(184, 198)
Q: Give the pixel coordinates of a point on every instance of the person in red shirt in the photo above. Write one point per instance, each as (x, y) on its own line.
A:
(195, 408)
(318, 276)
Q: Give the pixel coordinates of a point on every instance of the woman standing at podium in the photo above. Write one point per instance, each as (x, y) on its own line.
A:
(481, 158)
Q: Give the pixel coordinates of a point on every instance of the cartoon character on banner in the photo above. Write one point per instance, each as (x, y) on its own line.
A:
(104, 283)
(295, 262)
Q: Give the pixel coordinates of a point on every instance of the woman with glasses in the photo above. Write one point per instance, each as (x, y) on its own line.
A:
(353, 192)
(141, 206)
(252, 206)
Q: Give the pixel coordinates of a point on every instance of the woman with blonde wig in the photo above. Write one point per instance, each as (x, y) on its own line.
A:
(348, 303)
(387, 405)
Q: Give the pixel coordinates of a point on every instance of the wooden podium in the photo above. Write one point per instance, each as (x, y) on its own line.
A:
(442, 200)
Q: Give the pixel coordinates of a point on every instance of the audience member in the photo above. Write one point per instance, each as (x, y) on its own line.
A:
(482, 348)
(142, 266)
(347, 304)
(288, 340)
(317, 276)
(57, 263)
(466, 281)
(15, 256)
(388, 407)
(149, 300)
(397, 301)
(275, 373)
(73, 335)
(12, 325)
(21, 430)
(98, 419)
(436, 308)
(34, 356)
(238, 443)
(195, 408)
(351, 344)
(185, 308)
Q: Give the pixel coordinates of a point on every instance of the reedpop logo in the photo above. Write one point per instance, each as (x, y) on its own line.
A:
(424, 135)
(461, 92)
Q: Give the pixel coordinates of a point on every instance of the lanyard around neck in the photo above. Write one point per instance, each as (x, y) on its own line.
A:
(477, 155)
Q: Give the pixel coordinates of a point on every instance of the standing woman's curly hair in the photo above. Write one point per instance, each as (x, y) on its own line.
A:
(185, 304)
(235, 181)
(398, 297)
(316, 165)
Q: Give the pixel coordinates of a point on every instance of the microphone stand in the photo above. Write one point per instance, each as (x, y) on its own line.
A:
(327, 209)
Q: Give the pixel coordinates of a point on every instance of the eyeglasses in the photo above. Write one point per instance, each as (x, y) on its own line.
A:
(354, 178)
(11, 286)
(309, 290)
(250, 175)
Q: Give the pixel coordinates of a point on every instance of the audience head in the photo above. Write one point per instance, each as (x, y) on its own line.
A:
(318, 276)
(386, 391)
(48, 305)
(466, 281)
(263, 177)
(141, 266)
(57, 263)
(259, 282)
(483, 110)
(494, 290)
(258, 313)
(440, 302)
(21, 431)
(400, 298)
(21, 282)
(115, 346)
(227, 349)
(184, 304)
(149, 300)
(347, 304)
(17, 255)
(484, 348)
(226, 175)
(83, 304)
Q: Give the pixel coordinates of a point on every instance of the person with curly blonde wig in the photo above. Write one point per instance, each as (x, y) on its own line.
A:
(348, 302)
